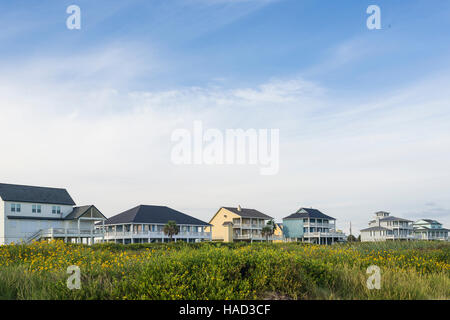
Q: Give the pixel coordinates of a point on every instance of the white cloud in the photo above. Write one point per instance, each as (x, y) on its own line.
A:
(111, 146)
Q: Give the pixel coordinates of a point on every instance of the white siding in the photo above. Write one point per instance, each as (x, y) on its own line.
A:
(2, 222)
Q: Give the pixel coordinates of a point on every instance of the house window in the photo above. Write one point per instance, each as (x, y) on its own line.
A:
(56, 209)
(15, 207)
(36, 208)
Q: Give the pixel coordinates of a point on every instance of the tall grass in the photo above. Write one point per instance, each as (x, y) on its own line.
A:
(409, 270)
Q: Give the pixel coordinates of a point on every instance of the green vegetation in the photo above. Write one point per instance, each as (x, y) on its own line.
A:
(409, 270)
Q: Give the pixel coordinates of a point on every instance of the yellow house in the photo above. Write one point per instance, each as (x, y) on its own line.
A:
(278, 233)
(238, 224)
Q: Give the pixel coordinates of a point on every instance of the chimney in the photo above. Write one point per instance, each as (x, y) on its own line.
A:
(239, 208)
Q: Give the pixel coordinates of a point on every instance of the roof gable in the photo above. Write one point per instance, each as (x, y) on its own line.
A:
(376, 228)
(31, 194)
(85, 212)
(394, 219)
(309, 213)
(248, 213)
(426, 221)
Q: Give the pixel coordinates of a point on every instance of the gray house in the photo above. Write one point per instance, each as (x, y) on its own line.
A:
(145, 223)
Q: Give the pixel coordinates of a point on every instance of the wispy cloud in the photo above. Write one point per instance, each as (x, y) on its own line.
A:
(105, 140)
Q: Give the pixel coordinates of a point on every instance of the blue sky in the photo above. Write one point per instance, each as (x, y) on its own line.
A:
(362, 113)
(245, 41)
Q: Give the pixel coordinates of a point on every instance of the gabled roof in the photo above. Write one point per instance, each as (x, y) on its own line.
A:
(374, 229)
(394, 219)
(248, 213)
(20, 193)
(80, 211)
(428, 221)
(429, 229)
(309, 213)
(153, 214)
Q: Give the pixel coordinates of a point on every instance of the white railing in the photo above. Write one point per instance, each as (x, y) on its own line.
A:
(255, 237)
(156, 234)
(34, 236)
(418, 237)
(248, 225)
(62, 233)
(320, 225)
(324, 234)
(400, 236)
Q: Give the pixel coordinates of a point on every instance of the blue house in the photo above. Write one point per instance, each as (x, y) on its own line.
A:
(427, 229)
(312, 226)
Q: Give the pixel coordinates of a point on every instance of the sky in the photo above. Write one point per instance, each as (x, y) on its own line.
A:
(363, 115)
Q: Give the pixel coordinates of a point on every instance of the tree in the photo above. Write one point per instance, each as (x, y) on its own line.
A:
(272, 225)
(359, 238)
(266, 232)
(269, 229)
(171, 229)
(351, 238)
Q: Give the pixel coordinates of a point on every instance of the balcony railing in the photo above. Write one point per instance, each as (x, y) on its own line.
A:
(248, 225)
(320, 225)
(324, 234)
(400, 236)
(255, 237)
(155, 234)
(419, 237)
(63, 233)
(408, 227)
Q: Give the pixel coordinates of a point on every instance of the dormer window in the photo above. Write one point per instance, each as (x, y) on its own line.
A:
(56, 209)
(36, 208)
(15, 207)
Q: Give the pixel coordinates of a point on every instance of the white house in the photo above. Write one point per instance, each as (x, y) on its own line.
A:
(145, 223)
(385, 227)
(30, 213)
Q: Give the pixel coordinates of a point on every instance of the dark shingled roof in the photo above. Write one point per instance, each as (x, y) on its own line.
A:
(153, 214)
(374, 229)
(309, 213)
(248, 213)
(79, 211)
(19, 193)
(394, 219)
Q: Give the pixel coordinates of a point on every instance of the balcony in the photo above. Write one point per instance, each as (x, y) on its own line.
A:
(152, 234)
(406, 227)
(324, 234)
(53, 233)
(400, 237)
(256, 237)
(425, 237)
(238, 225)
(319, 225)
